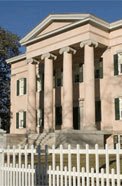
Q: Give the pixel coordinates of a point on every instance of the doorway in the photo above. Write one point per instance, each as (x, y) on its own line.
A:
(76, 118)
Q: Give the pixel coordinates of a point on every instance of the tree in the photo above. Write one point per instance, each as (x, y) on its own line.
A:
(9, 47)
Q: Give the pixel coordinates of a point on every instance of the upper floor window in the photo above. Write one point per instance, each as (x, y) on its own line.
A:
(99, 68)
(57, 78)
(118, 64)
(21, 119)
(21, 86)
(118, 108)
(78, 73)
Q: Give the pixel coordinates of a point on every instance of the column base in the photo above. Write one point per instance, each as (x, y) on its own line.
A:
(92, 128)
(66, 128)
(48, 130)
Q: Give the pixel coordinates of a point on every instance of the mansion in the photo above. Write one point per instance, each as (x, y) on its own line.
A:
(70, 76)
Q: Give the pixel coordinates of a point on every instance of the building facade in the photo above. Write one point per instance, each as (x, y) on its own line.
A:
(70, 76)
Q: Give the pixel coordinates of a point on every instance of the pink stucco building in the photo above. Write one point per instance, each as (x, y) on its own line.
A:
(70, 77)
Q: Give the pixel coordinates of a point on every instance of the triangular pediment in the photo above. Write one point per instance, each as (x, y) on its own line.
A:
(54, 26)
(53, 23)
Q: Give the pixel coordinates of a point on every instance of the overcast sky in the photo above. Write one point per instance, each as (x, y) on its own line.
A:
(20, 17)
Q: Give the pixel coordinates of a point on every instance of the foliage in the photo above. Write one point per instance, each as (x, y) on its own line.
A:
(9, 47)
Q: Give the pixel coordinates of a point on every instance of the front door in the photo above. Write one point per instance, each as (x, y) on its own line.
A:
(76, 118)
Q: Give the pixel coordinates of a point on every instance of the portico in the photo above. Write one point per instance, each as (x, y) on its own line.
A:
(67, 55)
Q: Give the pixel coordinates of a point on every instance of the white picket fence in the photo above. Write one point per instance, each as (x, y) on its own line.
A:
(69, 167)
(62, 175)
(17, 166)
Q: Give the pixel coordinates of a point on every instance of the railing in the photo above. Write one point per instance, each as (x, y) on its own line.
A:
(85, 167)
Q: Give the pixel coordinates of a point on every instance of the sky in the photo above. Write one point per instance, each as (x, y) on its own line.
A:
(20, 17)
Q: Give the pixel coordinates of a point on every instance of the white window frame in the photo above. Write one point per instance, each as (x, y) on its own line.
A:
(119, 63)
(21, 86)
(120, 108)
(21, 119)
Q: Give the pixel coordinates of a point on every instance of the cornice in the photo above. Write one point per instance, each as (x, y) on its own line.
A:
(16, 58)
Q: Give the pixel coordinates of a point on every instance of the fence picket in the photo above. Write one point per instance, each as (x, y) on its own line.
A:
(78, 165)
(74, 176)
(57, 177)
(17, 174)
(69, 163)
(112, 179)
(92, 177)
(61, 163)
(97, 164)
(118, 163)
(87, 164)
(53, 164)
(102, 177)
(65, 177)
(107, 164)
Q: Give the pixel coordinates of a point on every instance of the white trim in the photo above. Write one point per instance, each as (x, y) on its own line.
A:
(16, 58)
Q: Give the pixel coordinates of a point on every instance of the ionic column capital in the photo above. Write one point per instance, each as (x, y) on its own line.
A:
(68, 50)
(48, 56)
(89, 42)
(32, 61)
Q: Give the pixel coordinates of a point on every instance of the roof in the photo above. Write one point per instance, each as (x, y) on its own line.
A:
(75, 20)
(16, 58)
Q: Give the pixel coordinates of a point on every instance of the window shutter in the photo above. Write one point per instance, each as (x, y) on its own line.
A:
(25, 85)
(116, 64)
(117, 115)
(17, 120)
(24, 119)
(80, 73)
(98, 110)
(17, 87)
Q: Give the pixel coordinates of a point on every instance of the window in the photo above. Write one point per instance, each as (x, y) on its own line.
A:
(117, 140)
(57, 78)
(40, 117)
(78, 73)
(99, 68)
(118, 108)
(40, 82)
(118, 64)
(21, 86)
(21, 119)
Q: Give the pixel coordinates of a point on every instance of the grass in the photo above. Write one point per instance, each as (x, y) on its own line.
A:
(92, 162)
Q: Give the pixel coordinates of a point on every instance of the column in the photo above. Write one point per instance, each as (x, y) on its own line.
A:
(31, 97)
(67, 108)
(89, 83)
(48, 90)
